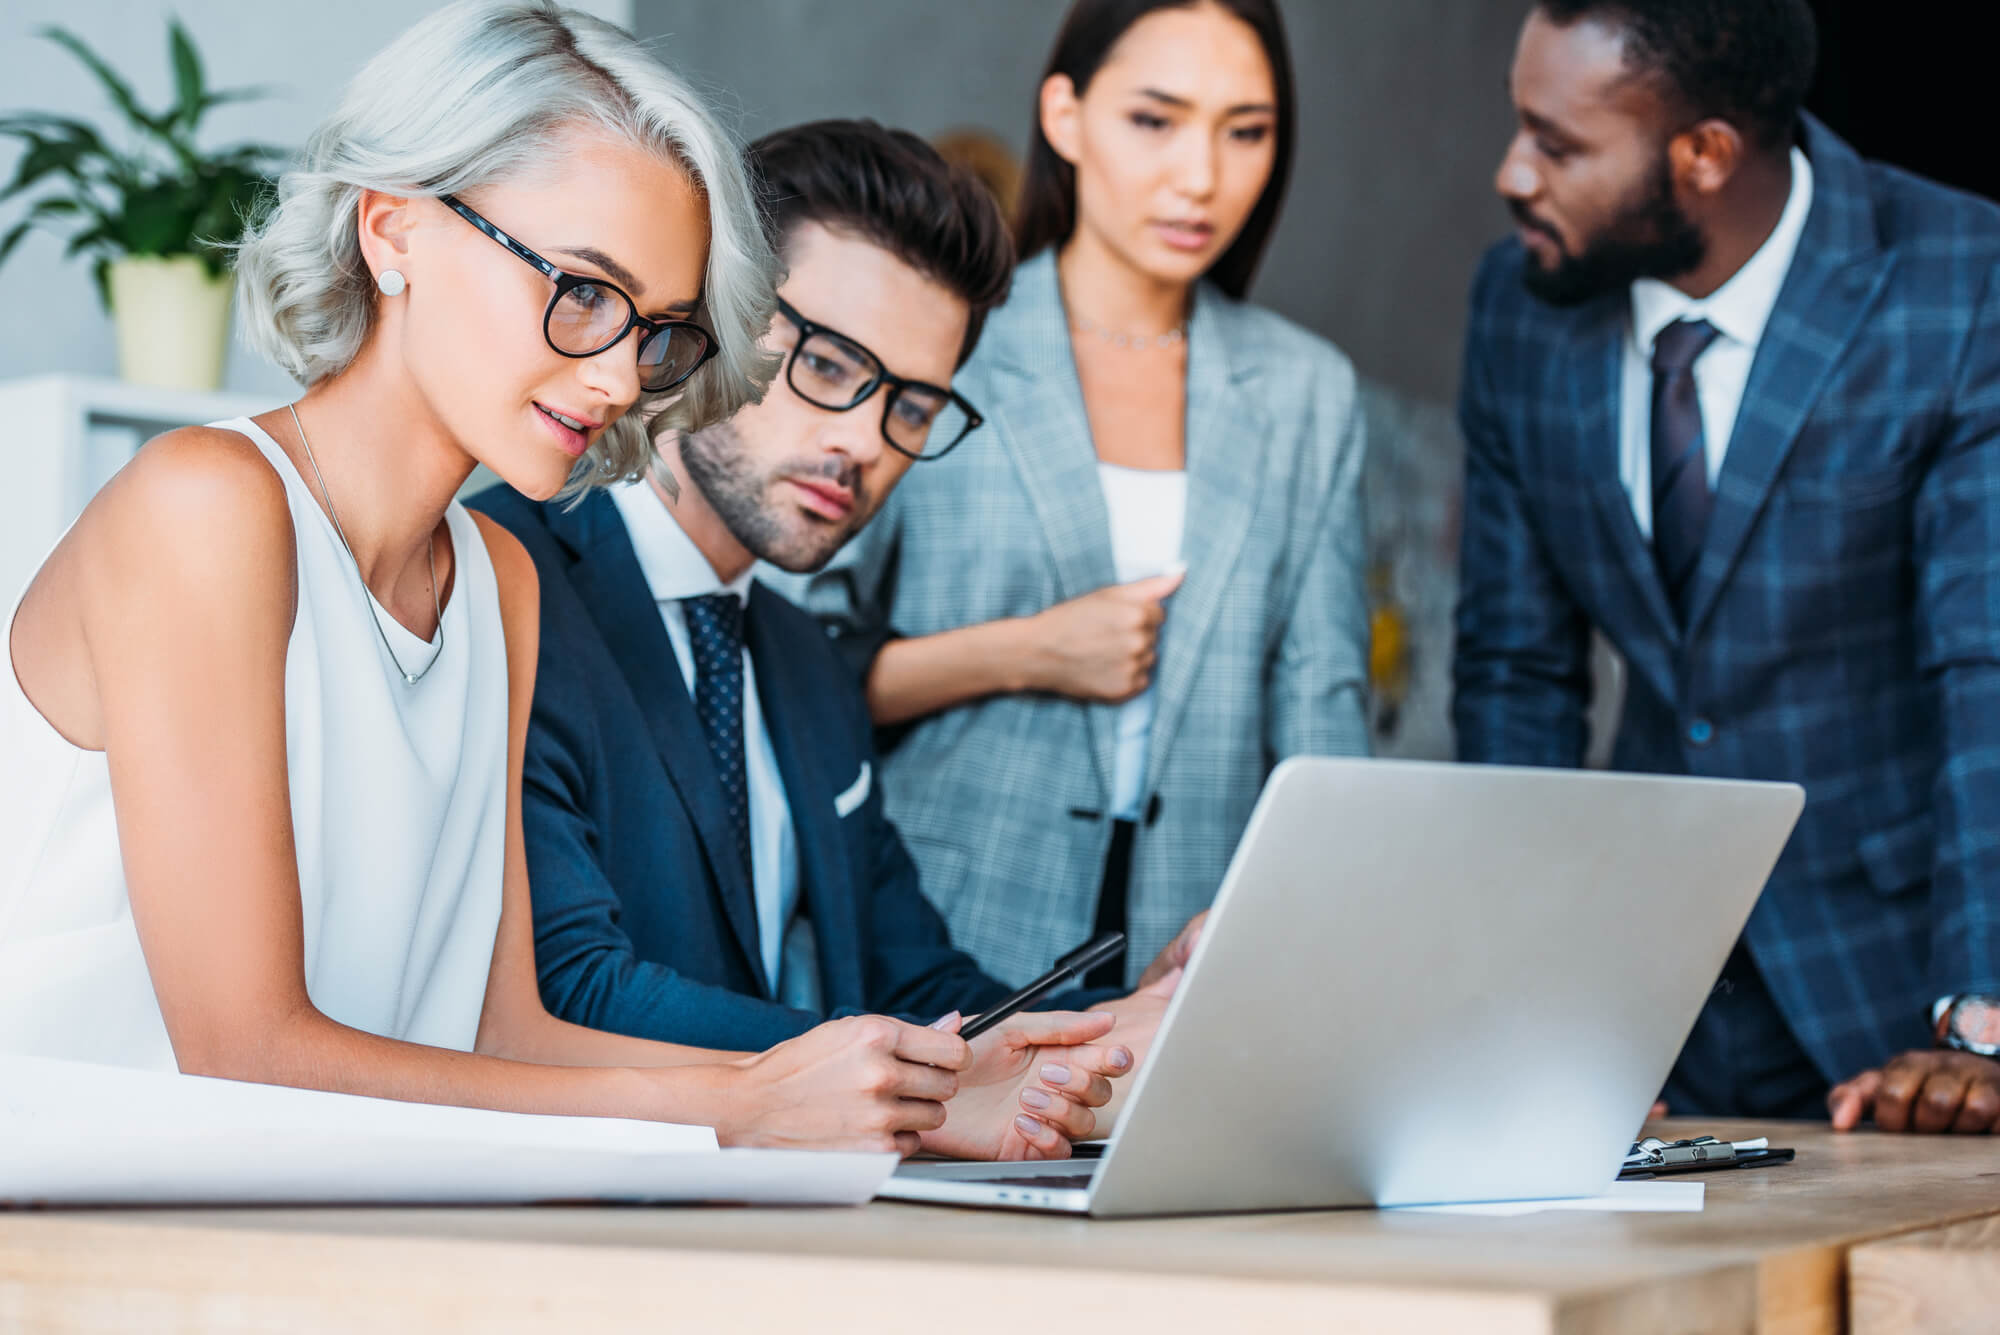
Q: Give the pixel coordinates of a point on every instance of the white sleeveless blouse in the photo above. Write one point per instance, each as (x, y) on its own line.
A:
(399, 813)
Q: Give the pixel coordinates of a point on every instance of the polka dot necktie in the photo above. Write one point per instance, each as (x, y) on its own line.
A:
(715, 633)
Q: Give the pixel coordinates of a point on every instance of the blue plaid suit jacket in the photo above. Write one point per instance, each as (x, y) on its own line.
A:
(1844, 631)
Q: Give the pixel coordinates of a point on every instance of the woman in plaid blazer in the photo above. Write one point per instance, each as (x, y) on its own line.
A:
(1084, 729)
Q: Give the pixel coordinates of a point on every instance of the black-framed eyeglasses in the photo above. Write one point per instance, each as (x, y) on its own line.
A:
(829, 370)
(587, 315)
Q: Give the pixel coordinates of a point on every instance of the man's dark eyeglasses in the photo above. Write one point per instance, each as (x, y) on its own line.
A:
(830, 370)
(587, 315)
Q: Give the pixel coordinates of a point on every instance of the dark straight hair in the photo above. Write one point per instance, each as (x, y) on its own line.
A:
(1047, 212)
(895, 191)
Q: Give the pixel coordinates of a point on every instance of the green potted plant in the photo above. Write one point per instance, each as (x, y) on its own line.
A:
(154, 213)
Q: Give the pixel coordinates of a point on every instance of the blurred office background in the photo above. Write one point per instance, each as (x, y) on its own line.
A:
(1403, 117)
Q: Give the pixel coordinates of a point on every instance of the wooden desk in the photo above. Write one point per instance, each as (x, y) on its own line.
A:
(1939, 1281)
(1768, 1254)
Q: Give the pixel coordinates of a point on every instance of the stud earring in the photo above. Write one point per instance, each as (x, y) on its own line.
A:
(391, 282)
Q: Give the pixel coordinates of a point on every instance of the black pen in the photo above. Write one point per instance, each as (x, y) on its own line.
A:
(1068, 969)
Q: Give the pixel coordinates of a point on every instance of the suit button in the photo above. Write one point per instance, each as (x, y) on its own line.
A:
(1700, 732)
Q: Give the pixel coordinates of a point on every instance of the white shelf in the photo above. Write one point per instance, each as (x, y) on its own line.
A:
(66, 435)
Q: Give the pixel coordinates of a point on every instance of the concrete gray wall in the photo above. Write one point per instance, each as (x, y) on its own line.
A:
(1402, 119)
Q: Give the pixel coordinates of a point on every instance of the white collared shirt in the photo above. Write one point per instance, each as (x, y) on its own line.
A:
(1739, 310)
(675, 569)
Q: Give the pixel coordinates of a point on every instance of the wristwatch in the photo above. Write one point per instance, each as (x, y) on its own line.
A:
(1971, 1023)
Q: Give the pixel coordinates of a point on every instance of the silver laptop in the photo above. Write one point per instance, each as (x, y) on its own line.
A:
(1423, 983)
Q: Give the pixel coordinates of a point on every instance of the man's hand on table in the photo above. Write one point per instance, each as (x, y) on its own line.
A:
(1923, 1091)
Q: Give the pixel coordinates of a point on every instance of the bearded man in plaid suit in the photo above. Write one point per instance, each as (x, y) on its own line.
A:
(1732, 399)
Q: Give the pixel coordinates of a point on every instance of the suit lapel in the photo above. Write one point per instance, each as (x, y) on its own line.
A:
(1594, 366)
(1226, 438)
(1047, 434)
(608, 579)
(797, 730)
(1836, 275)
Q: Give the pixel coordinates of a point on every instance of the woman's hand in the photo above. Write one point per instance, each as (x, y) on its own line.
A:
(864, 1083)
(1032, 1089)
(1102, 646)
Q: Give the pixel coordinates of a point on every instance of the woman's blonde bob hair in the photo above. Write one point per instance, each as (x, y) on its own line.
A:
(477, 93)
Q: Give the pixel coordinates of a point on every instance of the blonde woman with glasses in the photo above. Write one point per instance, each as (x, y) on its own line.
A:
(260, 807)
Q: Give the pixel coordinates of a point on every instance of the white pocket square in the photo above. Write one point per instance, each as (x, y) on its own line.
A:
(850, 801)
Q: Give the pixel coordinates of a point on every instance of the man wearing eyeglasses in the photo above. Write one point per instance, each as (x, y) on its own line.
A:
(707, 851)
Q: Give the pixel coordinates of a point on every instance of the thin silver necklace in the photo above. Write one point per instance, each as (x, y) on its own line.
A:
(430, 551)
(1085, 325)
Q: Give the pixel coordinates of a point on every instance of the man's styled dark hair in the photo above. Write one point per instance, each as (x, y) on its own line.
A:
(1046, 214)
(892, 189)
(1748, 62)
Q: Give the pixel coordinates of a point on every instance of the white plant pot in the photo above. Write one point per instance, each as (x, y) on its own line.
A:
(173, 321)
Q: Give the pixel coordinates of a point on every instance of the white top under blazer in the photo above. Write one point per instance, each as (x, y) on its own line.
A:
(1148, 512)
(399, 814)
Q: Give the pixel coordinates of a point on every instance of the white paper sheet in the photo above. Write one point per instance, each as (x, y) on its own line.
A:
(75, 1134)
(1624, 1197)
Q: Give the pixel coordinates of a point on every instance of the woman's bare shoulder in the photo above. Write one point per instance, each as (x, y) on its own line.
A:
(193, 535)
(513, 570)
(520, 594)
(217, 470)
(197, 507)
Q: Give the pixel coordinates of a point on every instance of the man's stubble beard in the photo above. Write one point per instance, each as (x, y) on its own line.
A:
(1653, 238)
(714, 460)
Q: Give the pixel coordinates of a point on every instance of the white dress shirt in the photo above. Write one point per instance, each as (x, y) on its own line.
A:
(1148, 511)
(675, 569)
(1739, 310)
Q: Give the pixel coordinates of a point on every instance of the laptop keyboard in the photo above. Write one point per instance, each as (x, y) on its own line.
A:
(1074, 1174)
(1053, 1182)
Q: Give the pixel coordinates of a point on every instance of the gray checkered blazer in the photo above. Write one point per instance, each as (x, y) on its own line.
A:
(1263, 654)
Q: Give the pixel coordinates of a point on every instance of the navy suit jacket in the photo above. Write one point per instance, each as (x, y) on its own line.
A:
(644, 921)
(1844, 630)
